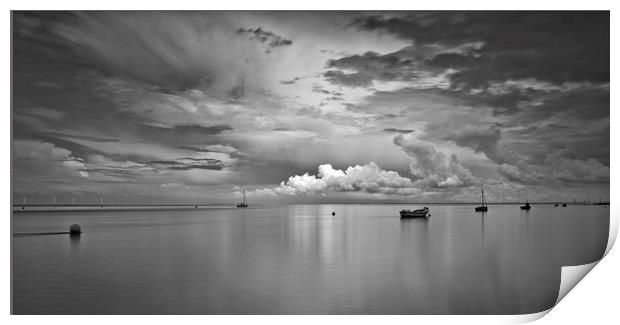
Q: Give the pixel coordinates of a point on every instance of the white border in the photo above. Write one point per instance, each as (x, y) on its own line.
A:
(595, 298)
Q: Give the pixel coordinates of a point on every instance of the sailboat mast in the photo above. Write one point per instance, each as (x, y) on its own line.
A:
(483, 196)
(245, 200)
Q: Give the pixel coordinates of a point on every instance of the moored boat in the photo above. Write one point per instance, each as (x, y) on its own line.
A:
(419, 213)
(243, 204)
(483, 207)
(526, 206)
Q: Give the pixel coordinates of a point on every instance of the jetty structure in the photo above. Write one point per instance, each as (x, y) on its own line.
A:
(483, 207)
(244, 203)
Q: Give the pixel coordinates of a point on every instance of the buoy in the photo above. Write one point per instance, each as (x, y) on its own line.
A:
(333, 213)
(75, 229)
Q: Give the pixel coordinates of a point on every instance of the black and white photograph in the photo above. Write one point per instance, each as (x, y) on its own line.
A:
(241, 162)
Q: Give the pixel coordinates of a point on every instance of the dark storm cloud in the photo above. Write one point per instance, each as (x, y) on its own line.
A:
(368, 67)
(268, 38)
(552, 46)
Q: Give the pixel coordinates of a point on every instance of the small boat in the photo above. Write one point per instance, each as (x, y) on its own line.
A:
(526, 206)
(563, 204)
(483, 207)
(419, 213)
(556, 204)
(243, 204)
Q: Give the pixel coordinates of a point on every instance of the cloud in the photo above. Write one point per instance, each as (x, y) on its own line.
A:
(290, 82)
(431, 168)
(35, 159)
(269, 39)
(368, 178)
(70, 136)
(48, 85)
(212, 148)
(186, 89)
(394, 130)
(172, 51)
(559, 46)
(44, 112)
(188, 163)
(481, 139)
(576, 170)
(361, 70)
(557, 169)
(523, 175)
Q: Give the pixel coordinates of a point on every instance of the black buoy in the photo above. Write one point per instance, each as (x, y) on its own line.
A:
(75, 230)
(333, 213)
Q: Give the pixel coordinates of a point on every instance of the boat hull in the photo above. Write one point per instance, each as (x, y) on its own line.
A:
(481, 209)
(422, 213)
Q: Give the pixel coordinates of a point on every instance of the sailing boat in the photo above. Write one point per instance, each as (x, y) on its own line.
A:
(243, 204)
(483, 207)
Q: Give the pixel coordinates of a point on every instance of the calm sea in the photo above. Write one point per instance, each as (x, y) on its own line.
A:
(299, 259)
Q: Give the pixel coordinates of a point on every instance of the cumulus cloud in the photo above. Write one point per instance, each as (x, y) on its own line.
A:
(368, 178)
(432, 168)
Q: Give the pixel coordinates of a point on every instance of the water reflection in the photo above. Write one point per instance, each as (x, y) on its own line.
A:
(407, 223)
(482, 225)
(75, 239)
(302, 260)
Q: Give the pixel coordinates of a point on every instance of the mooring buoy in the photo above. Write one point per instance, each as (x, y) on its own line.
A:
(75, 229)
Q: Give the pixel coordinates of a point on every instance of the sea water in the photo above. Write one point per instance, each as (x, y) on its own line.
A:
(299, 259)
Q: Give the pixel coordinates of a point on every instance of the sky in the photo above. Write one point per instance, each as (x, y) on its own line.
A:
(310, 107)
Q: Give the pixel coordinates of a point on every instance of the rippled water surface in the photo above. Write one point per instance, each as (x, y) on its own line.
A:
(300, 259)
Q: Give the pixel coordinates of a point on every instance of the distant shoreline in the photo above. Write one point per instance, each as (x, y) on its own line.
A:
(149, 207)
